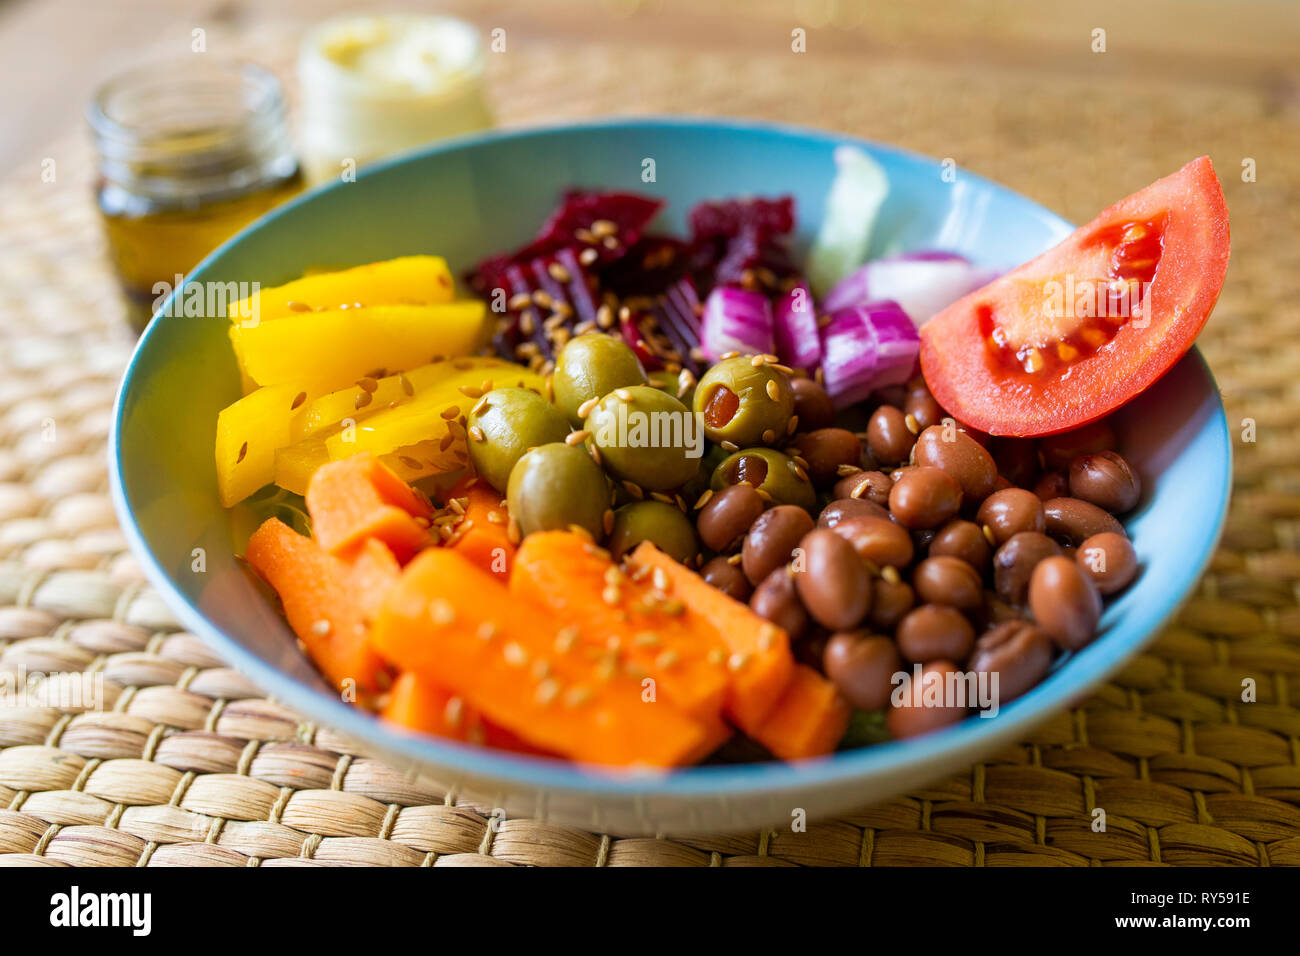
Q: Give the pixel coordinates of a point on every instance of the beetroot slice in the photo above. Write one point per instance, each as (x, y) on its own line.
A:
(629, 327)
(764, 218)
(650, 267)
(622, 218)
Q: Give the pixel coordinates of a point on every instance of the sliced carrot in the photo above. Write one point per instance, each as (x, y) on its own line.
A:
(759, 663)
(460, 626)
(809, 720)
(323, 601)
(359, 498)
(373, 574)
(579, 582)
(482, 536)
(421, 704)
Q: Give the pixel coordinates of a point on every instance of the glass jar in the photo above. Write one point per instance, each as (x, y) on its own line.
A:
(188, 153)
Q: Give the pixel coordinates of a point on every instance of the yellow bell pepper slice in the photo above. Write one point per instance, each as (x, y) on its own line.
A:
(339, 347)
(248, 434)
(434, 415)
(356, 402)
(408, 280)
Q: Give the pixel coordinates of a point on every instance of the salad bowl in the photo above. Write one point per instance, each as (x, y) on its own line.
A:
(469, 197)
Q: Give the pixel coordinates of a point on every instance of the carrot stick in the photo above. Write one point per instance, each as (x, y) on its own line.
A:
(809, 720)
(359, 498)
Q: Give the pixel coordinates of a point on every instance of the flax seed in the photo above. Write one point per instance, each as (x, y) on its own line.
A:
(576, 438)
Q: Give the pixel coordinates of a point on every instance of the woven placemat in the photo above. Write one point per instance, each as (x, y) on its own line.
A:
(188, 763)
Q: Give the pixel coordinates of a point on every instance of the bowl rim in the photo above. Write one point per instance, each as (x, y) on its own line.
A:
(970, 736)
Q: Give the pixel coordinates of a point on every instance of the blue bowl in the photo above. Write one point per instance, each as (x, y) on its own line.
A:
(474, 196)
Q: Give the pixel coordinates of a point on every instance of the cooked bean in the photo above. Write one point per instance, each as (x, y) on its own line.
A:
(996, 610)
(812, 404)
(925, 497)
(1052, 484)
(844, 508)
(1011, 511)
(727, 578)
(862, 667)
(1014, 563)
(825, 450)
(877, 540)
(948, 580)
(888, 438)
(1107, 480)
(776, 600)
(947, 447)
(1109, 560)
(933, 632)
(1017, 459)
(1017, 652)
(728, 515)
(1065, 602)
(920, 404)
(1071, 520)
(1059, 450)
(914, 718)
(772, 539)
(964, 540)
(867, 485)
(832, 581)
(890, 601)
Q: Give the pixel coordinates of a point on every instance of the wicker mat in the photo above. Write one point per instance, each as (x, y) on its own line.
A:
(188, 763)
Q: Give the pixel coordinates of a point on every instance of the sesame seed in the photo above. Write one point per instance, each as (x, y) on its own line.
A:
(667, 659)
(988, 535)
(486, 631)
(758, 360)
(769, 436)
(442, 612)
(595, 453)
(736, 661)
(558, 272)
(565, 639)
(298, 400)
(704, 499)
(727, 355)
(773, 390)
(469, 391)
(588, 256)
(480, 407)
(634, 489)
(734, 559)
(585, 408)
(607, 520)
(784, 369)
(454, 710)
(660, 579)
(802, 475)
(579, 695)
(661, 496)
(297, 306)
(321, 627)
(369, 384)
(496, 517)
(450, 412)
(623, 394)
(514, 654)
(477, 433)
(801, 461)
(646, 639)
(362, 400)
(576, 438)
(600, 228)
(860, 489)
(611, 595)
(794, 423)
(547, 691)
(890, 574)
(447, 441)
(243, 450)
(729, 445)
(912, 424)
(845, 470)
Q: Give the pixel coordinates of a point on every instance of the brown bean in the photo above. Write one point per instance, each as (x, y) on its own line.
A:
(727, 578)
(1017, 652)
(811, 403)
(1059, 450)
(920, 404)
(948, 580)
(1065, 602)
(888, 438)
(947, 447)
(728, 515)
(964, 540)
(935, 631)
(912, 718)
(890, 601)
(996, 610)
(825, 450)
(832, 581)
(1011, 511)
(1109, 560)
(1105, 479)
(862, 667)
(777, 601)
(1017, 459)
(1071, 520)
(877, 540)
(925, 497)
(772, 539)
(1052, 484)
(844, 508)
(1014, 563)
(867, 485)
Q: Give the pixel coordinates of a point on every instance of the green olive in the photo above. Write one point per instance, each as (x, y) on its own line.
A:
(647, 437)
(511, 421)
(590, 366)
(770, 471)
(662, 524)
(555, 486)
(745, 404)
(673, 383)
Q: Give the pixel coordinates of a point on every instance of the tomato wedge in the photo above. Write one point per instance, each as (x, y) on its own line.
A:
(1076, 332)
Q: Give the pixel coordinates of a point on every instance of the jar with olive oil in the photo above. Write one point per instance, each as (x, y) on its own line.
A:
(189, 152)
